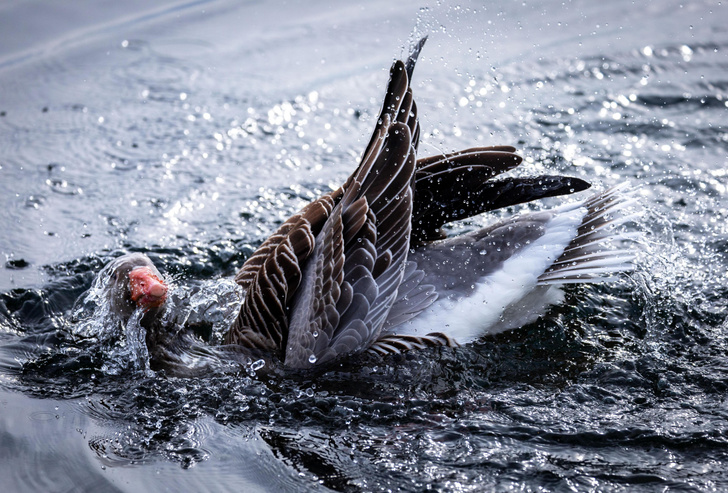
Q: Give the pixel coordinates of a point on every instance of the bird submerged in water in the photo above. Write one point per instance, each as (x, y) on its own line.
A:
(367, 267)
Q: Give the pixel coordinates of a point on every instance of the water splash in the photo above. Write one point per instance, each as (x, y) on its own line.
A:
(131, 352)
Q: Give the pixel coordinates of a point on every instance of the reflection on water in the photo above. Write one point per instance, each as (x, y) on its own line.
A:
(179, 133)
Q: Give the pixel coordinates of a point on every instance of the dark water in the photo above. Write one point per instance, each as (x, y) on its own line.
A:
(190, 130)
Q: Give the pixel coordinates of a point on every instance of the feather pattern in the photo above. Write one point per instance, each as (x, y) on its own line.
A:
(381, 245)
(398, 344)
(592, 253)
(355, 270)
(370, 227)
(272, 274)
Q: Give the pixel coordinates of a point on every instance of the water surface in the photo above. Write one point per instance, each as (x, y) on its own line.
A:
(190, 130)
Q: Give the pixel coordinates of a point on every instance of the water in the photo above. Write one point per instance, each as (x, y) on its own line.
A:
(191, 130)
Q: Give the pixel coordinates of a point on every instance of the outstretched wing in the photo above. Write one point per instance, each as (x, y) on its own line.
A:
(351, 279)
(459, 185)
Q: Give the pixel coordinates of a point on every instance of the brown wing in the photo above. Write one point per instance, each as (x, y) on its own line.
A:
(271, 276)
(350, 281)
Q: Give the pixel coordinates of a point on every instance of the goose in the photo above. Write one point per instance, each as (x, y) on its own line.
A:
(368, 268)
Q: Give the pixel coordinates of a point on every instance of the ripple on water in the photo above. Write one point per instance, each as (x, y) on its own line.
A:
(621, 387)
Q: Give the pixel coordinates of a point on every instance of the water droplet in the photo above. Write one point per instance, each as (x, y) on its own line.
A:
(312, 359)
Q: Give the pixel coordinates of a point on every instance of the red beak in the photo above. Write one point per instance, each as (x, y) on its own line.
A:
(147, 290)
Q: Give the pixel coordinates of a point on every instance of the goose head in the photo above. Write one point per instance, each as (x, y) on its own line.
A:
(135, 283)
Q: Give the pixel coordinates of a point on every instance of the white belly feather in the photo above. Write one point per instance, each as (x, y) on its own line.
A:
(510, 296)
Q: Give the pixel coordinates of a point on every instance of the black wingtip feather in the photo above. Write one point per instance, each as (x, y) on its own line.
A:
(466, 190)
(412, 59)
